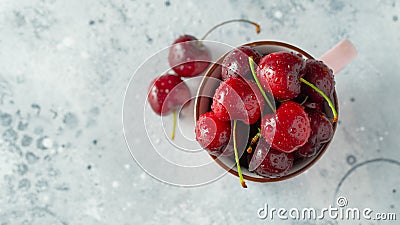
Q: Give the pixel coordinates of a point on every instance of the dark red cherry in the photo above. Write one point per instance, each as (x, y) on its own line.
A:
(280, 72)
(288, 129)
(315, 106)
(321, 127)
(319, 74)
(212, 133)
(273, 163)
(321, 132)
(166, 93)
(236, 62)
(236, 99)
(188, 57)
(307, 150)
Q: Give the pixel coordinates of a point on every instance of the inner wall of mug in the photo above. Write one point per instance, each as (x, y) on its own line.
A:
(203, 104)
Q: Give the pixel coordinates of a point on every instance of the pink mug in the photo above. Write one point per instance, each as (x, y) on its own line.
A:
(336, 58)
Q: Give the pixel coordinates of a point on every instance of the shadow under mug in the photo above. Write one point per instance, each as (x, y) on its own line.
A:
(336, 58)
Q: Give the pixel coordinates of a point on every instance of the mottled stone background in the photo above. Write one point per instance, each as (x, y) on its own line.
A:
(64, 69)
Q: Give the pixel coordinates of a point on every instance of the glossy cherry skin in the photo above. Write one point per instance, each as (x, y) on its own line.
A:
(166, 93)
(316, 106)
(319, 74)
(321, 127)
(237, 99)
(272, 163)
(188, 57)
(236, 62)
(212, 134)
(288, 129)
(280, 72)
(321, 132)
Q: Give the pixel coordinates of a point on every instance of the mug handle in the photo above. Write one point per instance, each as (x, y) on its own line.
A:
(339, 56)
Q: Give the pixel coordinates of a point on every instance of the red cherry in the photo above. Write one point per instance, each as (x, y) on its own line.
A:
(321, 132)
(288, 129)
(280, 72)
(315, 106)
(212, 133)
(319, 74)
(272, 163)
(308, 150)
(188, 57)
(236, 99)
(166, 93)
(321, 127)
(236, 62)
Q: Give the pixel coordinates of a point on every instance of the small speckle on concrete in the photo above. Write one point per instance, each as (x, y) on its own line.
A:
(42, 185)
(336, 5)
(22, 125)
(62, 187)
(22, 169)
(5, 119)
(351, 159)
(26, 140)
(167, 3)
(24, 184)
(94, 111)
(44, 143)
(36, 107)
(38, 130)
(278, 14)
(10, 135)
(70, 120)
(53, 172)
(91, 22)
(31, 158)
(115, 184)
(352, 99)
(395, 18)
(149, 39)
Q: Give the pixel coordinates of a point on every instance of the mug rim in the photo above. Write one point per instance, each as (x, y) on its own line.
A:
(260, 179)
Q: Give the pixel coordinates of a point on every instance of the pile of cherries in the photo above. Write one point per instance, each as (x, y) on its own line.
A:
(294, 128)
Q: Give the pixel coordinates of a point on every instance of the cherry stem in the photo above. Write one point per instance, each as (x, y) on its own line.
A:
(237, 156)
(251, 63)
(258, 29)
(253, 141)
(335, 115)
(173, 126)
(304, 101)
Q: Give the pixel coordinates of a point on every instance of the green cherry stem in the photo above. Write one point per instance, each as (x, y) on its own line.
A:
(251, 63)
(335, 115)
(237, 156)
(173, 126)
(304, 101)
